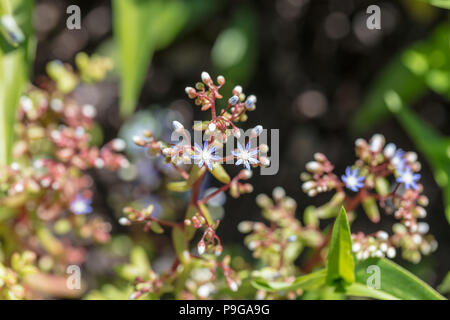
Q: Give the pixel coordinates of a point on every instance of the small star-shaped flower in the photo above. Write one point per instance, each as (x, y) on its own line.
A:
(245, 156)
(205, 155)
(81, 205)
(352, 180)
(398, 160)
(409, 179)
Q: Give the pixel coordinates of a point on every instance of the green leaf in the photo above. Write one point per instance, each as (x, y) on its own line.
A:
(220, 174)
(156, 227)
(14, 72)
(307, 282)
(439, 3)
(395, 282)
(139, 265)
(142, 27)
(235, 51)
(444, 287)
(178, 186)
(371, 209)
(421, 66)
(340, 264)
(180, 242)
(195, 173)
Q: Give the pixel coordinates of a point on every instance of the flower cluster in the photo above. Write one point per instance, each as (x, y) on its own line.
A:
(384, 177)
(193, 163)
(46, 190)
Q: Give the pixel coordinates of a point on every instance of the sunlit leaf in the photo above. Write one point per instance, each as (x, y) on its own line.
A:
(340, 264)
(14, 72)
(395, 282)
(422, 66)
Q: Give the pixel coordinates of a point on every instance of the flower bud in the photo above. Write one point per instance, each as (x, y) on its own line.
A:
(389, 150)
(190, 92)
(233, 100)
(391, 253)
(382, 235)
(220, 79)
(377, 142)
(212, 127)
(201, 247)
(313, 166)
(237, 90)
(264, 148)
(236, 132)
(265, 162)
(250, 102)
(118, 145)
(256, 131)
(124, 221)
(206, 78)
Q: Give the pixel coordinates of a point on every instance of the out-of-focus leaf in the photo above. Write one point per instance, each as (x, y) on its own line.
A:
(181, 244)
(178, 186)
(395, 282)
(439, 3)
(307, 282)
(424, 65)
(141, 27)
(235, 51)
(371, 209)
(220, 174)
(444, 287)
(340, 264)
(14, 71)
(156, 227)
(139, 265)
(434, 146)
(195, 173)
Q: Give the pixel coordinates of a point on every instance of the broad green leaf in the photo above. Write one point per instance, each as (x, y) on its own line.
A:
(362, 290)
(395, 282)
(14, 72)
(340, 264)
(307, 282)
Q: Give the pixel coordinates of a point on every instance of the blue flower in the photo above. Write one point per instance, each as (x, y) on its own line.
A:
(409, 179)
(352, 180)
(245, 156)
(205, 155)
(81, 205)
(398, 160)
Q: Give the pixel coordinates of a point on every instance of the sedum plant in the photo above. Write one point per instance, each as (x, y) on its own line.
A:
(335, 261)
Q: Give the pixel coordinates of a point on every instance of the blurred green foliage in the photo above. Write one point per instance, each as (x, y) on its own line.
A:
(15, 59)
(142, 27)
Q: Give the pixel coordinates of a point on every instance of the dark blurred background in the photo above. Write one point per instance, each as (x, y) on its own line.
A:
(309, 62)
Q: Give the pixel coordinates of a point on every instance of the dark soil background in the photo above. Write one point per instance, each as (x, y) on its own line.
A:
(314, 64)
